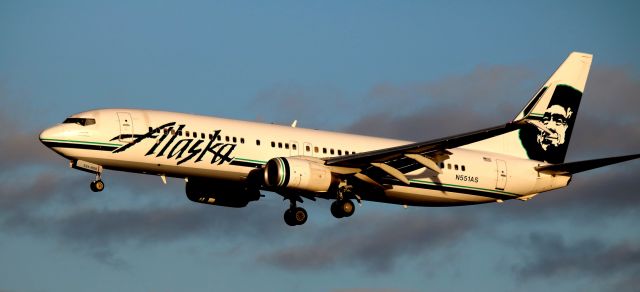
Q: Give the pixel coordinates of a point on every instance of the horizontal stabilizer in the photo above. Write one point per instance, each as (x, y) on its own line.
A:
(580, 166)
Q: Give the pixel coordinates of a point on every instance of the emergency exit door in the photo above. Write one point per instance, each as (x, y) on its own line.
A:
(501, 182)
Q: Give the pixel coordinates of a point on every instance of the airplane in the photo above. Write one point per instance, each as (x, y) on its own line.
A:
(228, 162)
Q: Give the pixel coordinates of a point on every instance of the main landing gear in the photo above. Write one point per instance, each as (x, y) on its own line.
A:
(97, 185)
(342, 208)
(295, 215)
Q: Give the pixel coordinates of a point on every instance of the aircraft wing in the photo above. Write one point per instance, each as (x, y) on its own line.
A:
(580, 166)
(398, 160)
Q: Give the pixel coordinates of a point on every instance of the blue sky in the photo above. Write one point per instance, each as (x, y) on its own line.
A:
(397, 69)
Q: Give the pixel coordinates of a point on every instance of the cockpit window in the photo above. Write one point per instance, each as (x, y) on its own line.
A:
(80, 121)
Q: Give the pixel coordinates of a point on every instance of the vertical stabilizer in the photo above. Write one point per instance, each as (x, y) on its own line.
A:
(550, 116)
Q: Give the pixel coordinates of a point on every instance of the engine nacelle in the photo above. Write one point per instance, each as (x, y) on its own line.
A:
(298, 174)
(221, 194)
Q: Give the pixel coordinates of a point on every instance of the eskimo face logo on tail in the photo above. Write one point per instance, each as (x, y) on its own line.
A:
(182, 150)
(555, 120)
(549, 143)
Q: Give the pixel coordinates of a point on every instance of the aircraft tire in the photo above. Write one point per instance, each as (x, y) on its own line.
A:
(335, 210)
(97, 186)
(342, 208)
(300, 216)
(347, 207)
(288, 218)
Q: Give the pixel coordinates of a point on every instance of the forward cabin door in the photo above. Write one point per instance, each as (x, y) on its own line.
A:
(502, 174)
(294, 148)
(126, 127)
(308, 149)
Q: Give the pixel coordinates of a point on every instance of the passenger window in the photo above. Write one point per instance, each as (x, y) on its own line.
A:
(462, 167)
(279, 144)
(150, 129)
(173, 132)
(179, 133)
(455, 167)
(307, 148)
(273, 144)
(315, 149)
(339, 152)
(449, 165)
(241, 140)
(441, 164)
(234, 139)
(186, 133)
(258, 142)
(286, 145)
(202, 135)
(210, 136)
(294, 147)
(219, 138)
(346, 152)
(324, 150)
(331, 151)
(226, 138)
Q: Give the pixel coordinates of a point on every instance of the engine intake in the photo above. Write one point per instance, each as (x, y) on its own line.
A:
(298, 174)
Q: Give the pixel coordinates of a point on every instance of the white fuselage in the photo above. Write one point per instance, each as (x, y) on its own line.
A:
(223, 149)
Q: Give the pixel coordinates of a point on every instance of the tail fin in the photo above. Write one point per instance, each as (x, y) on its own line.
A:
(550, 116)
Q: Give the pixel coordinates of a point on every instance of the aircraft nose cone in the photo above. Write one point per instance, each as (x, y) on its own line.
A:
(46, 135)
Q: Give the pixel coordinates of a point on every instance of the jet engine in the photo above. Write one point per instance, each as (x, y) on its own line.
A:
(221, 194)
(298, 174)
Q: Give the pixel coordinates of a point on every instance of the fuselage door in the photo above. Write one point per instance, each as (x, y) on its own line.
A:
(308, 149)
(501, 182)
(294, 148)
(126, 127)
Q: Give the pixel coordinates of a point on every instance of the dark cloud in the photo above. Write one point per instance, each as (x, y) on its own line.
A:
(452, 105)
(372, 242)
(550, 255)
(487, 96)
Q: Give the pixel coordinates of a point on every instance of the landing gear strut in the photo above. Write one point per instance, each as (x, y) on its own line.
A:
(295, 215)
(97, 185)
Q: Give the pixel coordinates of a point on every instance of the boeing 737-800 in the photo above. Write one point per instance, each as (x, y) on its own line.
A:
(228, 162)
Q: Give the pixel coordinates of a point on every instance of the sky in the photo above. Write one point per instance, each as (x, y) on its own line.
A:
(413, 70)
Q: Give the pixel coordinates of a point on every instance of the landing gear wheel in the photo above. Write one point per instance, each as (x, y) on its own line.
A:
(300, 216)
(342, 208)
(335, 210)
(295, 216)
(288, 218)
(97, 186)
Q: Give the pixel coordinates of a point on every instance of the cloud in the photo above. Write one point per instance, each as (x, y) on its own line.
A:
(550, 256)
(489, 96)
(373, 242)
